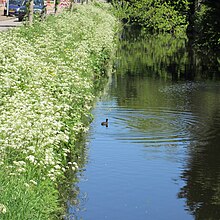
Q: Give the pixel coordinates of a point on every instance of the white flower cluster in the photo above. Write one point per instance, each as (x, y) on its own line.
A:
(3, 209)
(46, 89)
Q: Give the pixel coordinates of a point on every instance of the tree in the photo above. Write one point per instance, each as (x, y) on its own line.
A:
(30, 11)
(160, 15)
(207, 24)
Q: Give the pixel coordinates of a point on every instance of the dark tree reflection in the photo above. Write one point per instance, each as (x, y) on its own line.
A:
(164, 56)
(202, 178)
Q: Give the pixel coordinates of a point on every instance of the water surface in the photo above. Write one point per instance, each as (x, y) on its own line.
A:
(159, 156)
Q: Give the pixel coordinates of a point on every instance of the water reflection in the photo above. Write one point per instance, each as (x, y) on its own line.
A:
(202, 173)
(165, 56)
(69, 190)
(158, 159)
(191, 111)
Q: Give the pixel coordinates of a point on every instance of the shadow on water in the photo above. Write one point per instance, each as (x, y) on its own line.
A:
(159, 157)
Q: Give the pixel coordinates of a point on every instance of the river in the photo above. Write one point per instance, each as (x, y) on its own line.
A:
(159, 158)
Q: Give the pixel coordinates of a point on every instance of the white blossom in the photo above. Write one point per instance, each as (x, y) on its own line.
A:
(3, 209)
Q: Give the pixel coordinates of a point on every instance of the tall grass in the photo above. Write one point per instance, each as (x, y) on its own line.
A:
(47, 75)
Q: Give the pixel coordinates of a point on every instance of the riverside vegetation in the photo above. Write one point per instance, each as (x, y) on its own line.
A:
(48, 73)
(199, 19)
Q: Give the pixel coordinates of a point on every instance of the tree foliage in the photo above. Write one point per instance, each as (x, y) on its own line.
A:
(200, 18)
(158, 16)
(207, 25)
(155, 15)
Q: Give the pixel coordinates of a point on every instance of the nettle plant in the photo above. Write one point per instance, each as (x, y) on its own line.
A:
(47, 76)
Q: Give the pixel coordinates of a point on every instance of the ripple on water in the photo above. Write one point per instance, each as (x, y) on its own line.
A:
(181, 88)
(156, 126)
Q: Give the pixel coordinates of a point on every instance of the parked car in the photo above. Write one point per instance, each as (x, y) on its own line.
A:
(39, 9)
(14, 6)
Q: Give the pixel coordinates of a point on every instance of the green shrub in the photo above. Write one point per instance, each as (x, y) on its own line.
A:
(157, 16)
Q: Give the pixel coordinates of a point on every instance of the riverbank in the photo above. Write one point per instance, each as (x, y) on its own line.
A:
(48, 74)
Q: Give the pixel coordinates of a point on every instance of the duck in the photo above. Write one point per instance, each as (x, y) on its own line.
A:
(105, 123)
